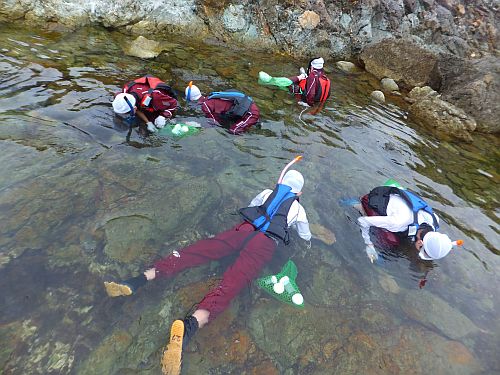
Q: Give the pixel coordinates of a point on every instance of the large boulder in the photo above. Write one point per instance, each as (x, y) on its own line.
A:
(473, 86)
(429, 109)
(405, 60)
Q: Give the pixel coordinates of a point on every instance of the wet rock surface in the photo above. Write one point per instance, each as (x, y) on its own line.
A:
(473, 86)
(412, 64)
(434, 112)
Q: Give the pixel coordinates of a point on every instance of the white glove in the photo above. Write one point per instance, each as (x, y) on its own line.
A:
(151, 127)
(302, 77)
(160, 122)
(371, 252)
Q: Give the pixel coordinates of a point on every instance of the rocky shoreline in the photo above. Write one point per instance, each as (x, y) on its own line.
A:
(448, 46)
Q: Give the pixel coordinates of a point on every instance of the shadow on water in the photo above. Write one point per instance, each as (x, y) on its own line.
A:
(80, 205)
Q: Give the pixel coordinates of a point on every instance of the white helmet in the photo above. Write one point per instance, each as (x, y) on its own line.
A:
(192, 93)
(120, 105)
(436, 246)
(317, 63)
(294, 179)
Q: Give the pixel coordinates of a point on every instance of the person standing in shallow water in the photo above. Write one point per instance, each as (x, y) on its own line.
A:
(230, 109)
(266, 224)
(148, 98)
(313, 86)
(400, 213)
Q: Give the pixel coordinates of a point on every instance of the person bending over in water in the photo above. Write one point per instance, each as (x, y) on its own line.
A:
(148, 98)
(398, 213)
(230, 109)
(313, 86)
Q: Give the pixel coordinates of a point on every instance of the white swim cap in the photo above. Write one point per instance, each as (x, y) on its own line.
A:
(436, 246)
(294, 179)
(194, 94)
(120, 105)
(317, 63)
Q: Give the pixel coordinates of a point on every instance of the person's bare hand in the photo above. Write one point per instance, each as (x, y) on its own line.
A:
(150, 274)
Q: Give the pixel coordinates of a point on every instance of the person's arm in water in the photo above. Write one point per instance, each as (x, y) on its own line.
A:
(142, 116)
(297, 219)
(151, 127)
(301, 225)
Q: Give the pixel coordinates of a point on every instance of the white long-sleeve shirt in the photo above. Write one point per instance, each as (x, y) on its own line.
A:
(399, 217)
(296, 218)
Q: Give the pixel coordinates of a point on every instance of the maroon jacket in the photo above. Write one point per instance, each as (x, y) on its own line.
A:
(311, 86)
(161, 103)
(214, 108)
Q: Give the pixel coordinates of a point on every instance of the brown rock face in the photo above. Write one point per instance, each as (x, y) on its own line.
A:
(406, 62)
(309, 20)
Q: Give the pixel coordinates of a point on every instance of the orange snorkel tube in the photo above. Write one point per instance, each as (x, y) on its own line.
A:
(296, 159)
(188, 96)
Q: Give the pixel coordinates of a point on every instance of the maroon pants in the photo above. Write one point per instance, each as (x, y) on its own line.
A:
(255, 250)
(385, 239)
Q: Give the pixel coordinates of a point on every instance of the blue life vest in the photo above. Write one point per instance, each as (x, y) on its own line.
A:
(378, 199)
(271, 217)
(241, 103)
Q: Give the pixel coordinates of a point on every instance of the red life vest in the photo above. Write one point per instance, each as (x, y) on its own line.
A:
(323, 90)
(153, 83)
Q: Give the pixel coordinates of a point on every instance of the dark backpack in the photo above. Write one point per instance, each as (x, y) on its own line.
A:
(241, 103)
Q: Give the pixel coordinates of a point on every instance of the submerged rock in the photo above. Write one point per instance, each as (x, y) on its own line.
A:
(144, 48)
(435, 313)
(389, 284)
(323, 234)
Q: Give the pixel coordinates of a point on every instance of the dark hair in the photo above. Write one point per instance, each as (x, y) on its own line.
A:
(424, 229)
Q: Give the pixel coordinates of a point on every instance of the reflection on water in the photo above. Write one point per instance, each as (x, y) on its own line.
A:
(80, 205)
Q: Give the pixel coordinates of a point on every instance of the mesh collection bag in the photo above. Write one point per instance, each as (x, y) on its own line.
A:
(282, 286)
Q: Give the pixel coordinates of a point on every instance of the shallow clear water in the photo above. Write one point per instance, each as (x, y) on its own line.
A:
(79, 206)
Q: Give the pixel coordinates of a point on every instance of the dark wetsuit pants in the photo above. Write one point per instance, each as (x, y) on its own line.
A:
(255, 250)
